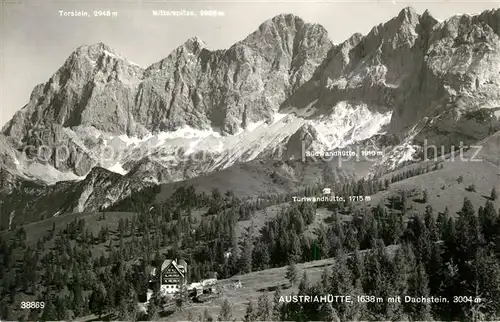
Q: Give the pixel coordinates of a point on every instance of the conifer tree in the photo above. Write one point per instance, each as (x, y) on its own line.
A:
(358, 310)
(291, 273)
(493, 195)
(207, 316)
(304, 284)
(442, 222)
(419, 287)
(325, 280)
(277, 305)
(49, 312)
(486, 284)
(351, 241)
(250, 312)
(468, 231)
(97, 301)
(322, 244)
(418, 234)
(246, 256)
(355, 263)
(488, 221)
(182, 296)
(260, 256)
(264, 310)
(226, 311)
(404, 201)
(123, 310)
(374, 282)
(328, 313)
(393, 228)
(401, 273)
(295, 253)
(341, 282)
(153, 310)
(434, 268)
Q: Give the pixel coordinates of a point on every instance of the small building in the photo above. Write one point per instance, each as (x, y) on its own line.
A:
(172, 275)
(209, 282)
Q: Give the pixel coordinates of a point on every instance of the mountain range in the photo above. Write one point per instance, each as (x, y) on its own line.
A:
(103, 127)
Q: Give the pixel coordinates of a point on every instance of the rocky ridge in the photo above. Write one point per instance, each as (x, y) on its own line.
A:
(412, 78)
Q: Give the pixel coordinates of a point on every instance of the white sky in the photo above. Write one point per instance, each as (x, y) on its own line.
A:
(35, 40)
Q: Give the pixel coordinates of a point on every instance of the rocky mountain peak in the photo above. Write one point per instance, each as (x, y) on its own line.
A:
(88, 54)
(97, 56)
(408, 15)
(181, 56)
(427, 20)
(194, 45)
(282, 30)
(93, 50)
(284, 20)
(401, 27)
(427, 14)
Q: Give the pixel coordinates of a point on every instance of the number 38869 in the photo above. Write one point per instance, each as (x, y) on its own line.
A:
(32, 305)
